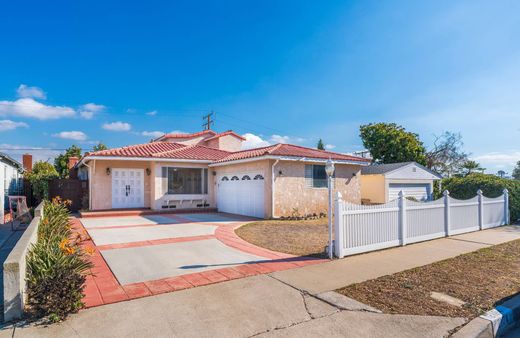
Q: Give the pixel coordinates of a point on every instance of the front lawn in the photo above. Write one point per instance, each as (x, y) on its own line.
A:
(480, 279)
(300, 238)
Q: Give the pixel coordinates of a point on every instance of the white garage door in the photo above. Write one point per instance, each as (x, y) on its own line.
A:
(420, 192)
(242, 194)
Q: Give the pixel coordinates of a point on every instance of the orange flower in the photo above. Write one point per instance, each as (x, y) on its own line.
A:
(64, 243)
(90, 250)
(70, 251)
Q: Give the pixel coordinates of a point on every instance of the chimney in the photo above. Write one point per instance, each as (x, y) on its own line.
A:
(72, 162)
(27, 162)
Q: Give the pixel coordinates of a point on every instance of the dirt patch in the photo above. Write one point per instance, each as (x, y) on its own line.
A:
(480, 279)
(301, 238)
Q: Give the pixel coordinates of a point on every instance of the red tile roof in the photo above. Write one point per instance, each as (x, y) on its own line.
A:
(290, 150)
(164, 150)
(187, 135)
(229, 132)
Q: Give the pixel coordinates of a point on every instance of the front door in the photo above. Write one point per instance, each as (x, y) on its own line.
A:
(127, 188)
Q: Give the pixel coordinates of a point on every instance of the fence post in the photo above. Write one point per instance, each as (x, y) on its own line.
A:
(338, 226)
(447, 226)
(506, 206)
(480, 210)
(402, 217)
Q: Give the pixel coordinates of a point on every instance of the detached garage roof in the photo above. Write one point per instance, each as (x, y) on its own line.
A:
(383, 169)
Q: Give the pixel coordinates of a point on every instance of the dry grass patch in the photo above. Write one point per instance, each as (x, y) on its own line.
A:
(480, 279)
(301, 238)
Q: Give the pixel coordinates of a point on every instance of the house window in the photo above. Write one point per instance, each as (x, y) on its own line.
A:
(315, 176)
(234, 178)
(192, 181)
(258, 177)
(225, 178)
(246, 178)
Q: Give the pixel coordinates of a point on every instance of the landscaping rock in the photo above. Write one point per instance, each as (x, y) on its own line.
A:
(442, 297)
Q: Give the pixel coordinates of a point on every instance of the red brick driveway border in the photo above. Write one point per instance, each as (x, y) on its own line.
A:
(102, 287)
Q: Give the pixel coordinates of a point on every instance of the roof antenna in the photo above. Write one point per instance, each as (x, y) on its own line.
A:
(209, 121)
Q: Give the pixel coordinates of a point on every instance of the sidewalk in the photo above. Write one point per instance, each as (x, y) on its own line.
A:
(277, 304)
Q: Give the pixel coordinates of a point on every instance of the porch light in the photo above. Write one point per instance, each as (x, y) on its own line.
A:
(108, 171)
(329, 170)
(148, 171)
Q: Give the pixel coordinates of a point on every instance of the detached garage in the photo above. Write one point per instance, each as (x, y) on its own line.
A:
(382, 183)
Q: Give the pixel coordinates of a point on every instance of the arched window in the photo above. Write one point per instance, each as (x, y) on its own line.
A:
(234, 178)
(246, 178)
(259, 177)
(225, 178)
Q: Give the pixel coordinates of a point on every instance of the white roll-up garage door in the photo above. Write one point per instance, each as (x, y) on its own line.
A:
(420, 192)
(242, 194)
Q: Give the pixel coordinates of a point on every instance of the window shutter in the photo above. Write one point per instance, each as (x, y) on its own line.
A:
(164, 180)
(308, 175)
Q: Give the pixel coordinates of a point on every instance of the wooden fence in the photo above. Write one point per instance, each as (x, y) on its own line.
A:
(363, 228)
(71, 189)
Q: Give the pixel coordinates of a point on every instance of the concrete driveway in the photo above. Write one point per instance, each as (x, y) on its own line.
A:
(138, 256)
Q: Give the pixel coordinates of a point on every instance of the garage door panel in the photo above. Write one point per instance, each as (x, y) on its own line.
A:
(419, 191)
(241, 194)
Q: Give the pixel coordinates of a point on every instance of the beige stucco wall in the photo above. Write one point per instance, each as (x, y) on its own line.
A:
(291, 191)
(263, 167)
(374, 188)
(101, 191)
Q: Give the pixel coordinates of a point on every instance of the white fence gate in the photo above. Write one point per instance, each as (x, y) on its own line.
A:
(362, 228)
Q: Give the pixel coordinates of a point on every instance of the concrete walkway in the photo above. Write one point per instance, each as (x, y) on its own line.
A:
(276, 304)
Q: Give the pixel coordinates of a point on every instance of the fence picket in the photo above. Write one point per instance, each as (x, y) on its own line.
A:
(363, 228)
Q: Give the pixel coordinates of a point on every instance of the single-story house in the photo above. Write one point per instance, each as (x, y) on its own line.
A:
(381, 183)
(209, 170)
(10, 180)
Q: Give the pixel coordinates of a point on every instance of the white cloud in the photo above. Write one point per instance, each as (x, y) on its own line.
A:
(71, 135)
(34, 92)
(27, 107)
(87, 111)
(117, 126)
(10, 125)
(253, 141)
(153, 134)
(498, 160)
(330, 146)
(285, 139)
(152, 113)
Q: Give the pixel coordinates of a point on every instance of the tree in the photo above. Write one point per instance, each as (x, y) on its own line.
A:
(391, 143)
(501, 173)
(447, 157)
(42, 172)
(61, 161)
(320, 145)
(99, 146)
(472, 166)
(516, 171)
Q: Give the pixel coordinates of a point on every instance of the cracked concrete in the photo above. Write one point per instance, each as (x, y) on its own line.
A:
(254, 306)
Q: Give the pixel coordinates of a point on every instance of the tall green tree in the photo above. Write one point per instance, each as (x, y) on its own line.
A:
(99, 146)
(471, 166)
(516, 171)
(320, 145)
(61, 161)
(40, 175)
(391, 143)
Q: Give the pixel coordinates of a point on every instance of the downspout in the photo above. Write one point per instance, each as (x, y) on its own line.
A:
(272, 187)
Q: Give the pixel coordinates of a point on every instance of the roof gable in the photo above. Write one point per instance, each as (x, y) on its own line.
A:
(226, 133)
(402, 170)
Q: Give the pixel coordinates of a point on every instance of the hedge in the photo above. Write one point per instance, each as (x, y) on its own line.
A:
(491, 186)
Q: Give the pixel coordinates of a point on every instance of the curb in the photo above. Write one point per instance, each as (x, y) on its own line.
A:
(495, 322)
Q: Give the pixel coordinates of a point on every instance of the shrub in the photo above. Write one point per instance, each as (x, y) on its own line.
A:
(56, 266)
(39, 177)
(491, 186)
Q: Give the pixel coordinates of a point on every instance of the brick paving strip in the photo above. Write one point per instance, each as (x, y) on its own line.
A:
(102, 287)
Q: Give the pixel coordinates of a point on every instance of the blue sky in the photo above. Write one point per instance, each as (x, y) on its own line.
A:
(291, 71)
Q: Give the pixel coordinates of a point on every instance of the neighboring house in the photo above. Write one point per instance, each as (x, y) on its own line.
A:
(208, 169)
(381, 183)
(10, 181)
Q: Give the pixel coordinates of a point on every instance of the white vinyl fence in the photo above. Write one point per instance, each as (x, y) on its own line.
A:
(362, 228)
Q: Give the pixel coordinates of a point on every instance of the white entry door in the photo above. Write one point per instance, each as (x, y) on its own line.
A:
(241, 193)
(127, 188)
